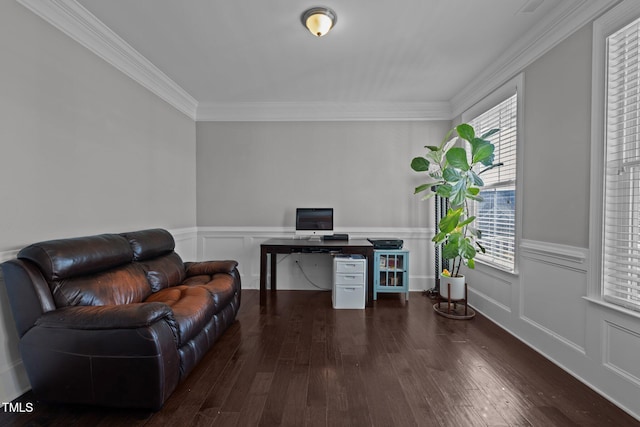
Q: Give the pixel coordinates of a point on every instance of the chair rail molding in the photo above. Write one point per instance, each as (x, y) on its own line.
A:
(569, 256)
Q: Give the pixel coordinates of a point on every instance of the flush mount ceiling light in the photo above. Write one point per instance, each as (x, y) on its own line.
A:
(319, 20)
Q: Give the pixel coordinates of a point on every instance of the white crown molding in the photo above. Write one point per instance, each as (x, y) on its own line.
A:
(322, 111)
(569, 17)
(78, 23)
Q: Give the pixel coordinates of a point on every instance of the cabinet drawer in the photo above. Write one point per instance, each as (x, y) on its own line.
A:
(350, 279)
(348, 297)
(350, 266)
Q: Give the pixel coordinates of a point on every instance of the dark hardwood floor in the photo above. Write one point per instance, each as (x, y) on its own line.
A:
(298, 362)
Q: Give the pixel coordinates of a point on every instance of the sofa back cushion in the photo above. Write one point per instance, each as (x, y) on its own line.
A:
(164, 271)
(154, 250)
(65, 258)
(147, 244)
(126, 284)
(93, 270)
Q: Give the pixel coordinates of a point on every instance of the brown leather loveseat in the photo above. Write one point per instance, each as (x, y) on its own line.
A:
(116, 319)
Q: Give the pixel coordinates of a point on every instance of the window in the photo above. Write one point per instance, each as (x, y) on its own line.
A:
(620, 274)
(496, 214)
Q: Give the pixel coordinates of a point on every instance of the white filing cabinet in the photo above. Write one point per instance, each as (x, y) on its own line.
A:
(349, 281)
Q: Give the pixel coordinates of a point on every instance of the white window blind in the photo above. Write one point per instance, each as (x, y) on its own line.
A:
(621, 228)
(496, 216)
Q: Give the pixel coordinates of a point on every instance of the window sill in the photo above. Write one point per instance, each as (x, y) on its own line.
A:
(613, 307)
(496, 267)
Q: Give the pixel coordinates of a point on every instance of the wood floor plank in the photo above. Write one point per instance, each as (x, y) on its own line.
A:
(299, 362)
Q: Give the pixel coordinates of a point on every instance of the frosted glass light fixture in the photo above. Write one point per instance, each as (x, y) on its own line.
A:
(319, 20)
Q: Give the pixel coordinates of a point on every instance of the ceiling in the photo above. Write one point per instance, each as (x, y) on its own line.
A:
(402, 59)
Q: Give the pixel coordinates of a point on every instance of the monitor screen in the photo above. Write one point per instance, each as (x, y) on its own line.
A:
(314, 221)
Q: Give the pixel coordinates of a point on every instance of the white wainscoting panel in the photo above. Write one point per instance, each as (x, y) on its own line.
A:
(490, 291)
(186, 243)
(621, 351)
(554, 282)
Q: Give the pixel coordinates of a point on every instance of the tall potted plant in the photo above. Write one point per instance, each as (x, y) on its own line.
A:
(451, 169)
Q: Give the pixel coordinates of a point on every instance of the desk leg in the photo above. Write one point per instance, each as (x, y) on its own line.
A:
(263, 276)
(369, 255)
(274, 273)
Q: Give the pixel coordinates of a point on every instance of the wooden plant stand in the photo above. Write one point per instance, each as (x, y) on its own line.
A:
(454, 309)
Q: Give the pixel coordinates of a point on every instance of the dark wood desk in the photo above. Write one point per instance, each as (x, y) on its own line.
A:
(272, 247)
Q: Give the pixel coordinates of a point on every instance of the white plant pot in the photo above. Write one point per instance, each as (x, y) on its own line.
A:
(457, 287)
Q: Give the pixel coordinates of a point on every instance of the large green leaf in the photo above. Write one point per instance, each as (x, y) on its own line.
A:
(476, 198)
(450, 250)
(421, 188)
(490, 133)
(450, 221)
(439, 238)
(444, 190)
(482, 151)
(475, 178)
(457, 157)
(420, 164)
(451, 175)
(467, 250)
(489, 160)
(465, 131)
(467, 221)
(458, 193)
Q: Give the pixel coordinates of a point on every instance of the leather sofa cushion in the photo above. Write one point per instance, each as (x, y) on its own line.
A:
(191, 306)
(127, 316)
(164, 271)
(65, 258)
(147, 244)
(120, 285)
(210, 267)
(220, 286)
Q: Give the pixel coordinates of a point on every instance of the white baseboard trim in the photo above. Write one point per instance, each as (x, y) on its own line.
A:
(14, 381)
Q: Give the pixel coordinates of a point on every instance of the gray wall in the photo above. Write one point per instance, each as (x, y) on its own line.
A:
(557, 138)
(83, 149)
(256, 174)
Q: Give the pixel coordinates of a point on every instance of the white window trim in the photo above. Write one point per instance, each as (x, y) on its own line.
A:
(515, 85)
(617, 18)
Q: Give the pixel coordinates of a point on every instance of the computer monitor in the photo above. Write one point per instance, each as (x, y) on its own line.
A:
(314, 222)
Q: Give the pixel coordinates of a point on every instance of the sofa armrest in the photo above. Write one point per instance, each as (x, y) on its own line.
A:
(126, 316)
(209, 267)
(122, 356)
